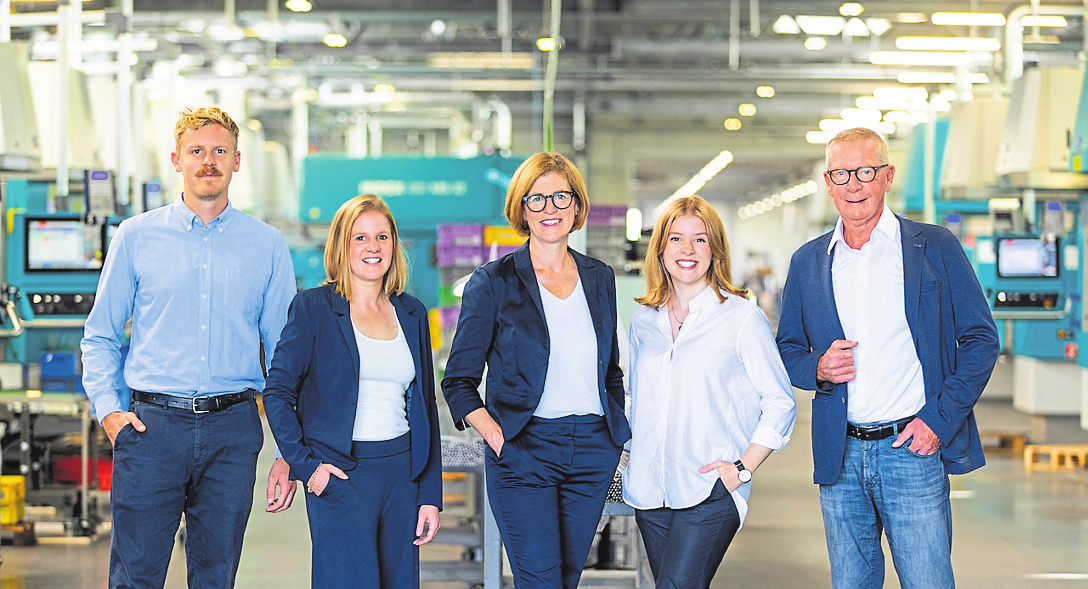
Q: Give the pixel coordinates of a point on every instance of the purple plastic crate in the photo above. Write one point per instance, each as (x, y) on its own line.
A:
(460, 234)
(460, 256)
(447, 316)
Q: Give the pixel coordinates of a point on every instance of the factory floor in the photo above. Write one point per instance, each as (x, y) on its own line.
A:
(1013, 529)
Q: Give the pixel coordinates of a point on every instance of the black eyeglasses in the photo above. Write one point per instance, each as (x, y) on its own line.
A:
(863, 174)
(537, 202)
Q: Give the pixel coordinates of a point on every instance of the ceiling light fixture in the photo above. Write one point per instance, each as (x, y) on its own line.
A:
(732, 124)
(747, 109)
(931, 58)
(878, 26)
(979, 19)
(697, 181)
(334, 39)
(855, 28)
(1040, 20)
(546, 44)
(785, 25)
(821, 25)
(298, 5)
(815, 43)
(851, 9)
(947, 44)
(939, 78)
(765, 91)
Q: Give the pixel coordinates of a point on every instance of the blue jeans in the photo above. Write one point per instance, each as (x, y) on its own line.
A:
(547, 491)
(686, 546)
(897, 492)
(201, 465)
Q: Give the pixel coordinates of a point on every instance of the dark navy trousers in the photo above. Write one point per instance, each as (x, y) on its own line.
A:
(686, 546)
(547, 490)
(202, 465)
(362, 528)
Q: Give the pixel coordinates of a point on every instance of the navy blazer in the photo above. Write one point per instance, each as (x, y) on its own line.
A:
(502, 323)
(312, 389)
(951, 324)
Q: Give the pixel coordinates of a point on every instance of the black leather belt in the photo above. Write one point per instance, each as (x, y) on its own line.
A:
(194, 404)
(878, 432)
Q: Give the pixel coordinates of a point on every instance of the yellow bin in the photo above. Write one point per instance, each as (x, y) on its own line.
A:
(12, 499)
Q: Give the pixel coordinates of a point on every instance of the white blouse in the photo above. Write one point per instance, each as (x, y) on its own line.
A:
(718, 388)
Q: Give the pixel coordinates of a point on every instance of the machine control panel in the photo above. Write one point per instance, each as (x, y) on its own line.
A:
(44, 303)
(1026, 300)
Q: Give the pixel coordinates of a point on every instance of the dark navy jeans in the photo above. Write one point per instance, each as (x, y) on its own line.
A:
(547, 491)
(202, 465)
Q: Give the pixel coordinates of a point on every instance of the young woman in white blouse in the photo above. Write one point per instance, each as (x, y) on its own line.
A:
(710, 398)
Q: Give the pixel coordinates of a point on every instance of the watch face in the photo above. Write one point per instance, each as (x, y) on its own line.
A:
(745, 476)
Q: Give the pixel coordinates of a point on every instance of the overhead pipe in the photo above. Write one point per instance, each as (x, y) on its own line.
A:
(1014, 33)
(61, 99)
(502, 18)
(550, 75)
(125, 112)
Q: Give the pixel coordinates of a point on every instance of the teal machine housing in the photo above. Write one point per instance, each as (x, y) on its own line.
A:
(52, 301)
(421, 193)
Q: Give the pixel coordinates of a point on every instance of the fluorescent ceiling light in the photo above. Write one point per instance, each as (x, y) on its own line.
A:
(546, 44)
(934, 58)
(815, 43)
(732, 124)
(634, 224)
(878, 26)
(981, 19)
(747, 109)
(821, 25)
(818, 137)
(906, 93)
(299, 5)
(785, 25)
(947, 44)
(480, 60)
(851, 9)
(334, 39)
(1040, 20)
(697, 181)
(860, 115)
(911, 18)
(855, 28)
(939, 78)
(896, 116)
(765, 91)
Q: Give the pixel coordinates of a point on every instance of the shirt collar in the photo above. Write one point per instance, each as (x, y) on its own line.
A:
(189, 219)
(888, 224)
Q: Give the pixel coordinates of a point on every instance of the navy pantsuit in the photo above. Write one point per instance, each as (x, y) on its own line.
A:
(547, 487)
(310, 399)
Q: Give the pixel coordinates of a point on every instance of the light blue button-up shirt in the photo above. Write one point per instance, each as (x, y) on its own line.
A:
(201, 299)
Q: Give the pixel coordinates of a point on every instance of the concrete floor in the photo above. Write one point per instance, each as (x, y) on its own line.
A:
(1012, 530)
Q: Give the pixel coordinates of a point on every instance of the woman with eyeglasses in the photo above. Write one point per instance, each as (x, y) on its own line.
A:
(710, 398)
(543, 321)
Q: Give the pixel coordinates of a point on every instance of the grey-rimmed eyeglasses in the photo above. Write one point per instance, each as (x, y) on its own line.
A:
(863, 174)
(536, 202)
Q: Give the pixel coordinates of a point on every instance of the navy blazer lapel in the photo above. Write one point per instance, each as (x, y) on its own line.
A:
(914, 249)
(342, 308)
(594, 298)
(523, 265)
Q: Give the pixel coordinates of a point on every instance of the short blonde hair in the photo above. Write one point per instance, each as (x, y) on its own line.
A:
(528, 172)
(337, 264)
(192, 119)
(659, 287)
(858, 135)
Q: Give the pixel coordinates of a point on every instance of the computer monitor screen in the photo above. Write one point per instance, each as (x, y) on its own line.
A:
(1027, 257)
(62, 244)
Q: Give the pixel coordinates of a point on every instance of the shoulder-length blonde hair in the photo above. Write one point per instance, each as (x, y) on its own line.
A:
(658, 282)
(527, 173)
(337, 264)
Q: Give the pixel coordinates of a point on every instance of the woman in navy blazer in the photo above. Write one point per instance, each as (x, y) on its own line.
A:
(350, 399)
(543, 320)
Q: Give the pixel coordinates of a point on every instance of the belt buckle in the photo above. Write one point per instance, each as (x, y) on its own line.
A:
(197, 411)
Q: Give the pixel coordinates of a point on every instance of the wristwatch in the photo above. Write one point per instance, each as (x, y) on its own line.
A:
(743, 473)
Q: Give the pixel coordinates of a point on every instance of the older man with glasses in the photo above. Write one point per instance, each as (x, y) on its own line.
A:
(885, 320)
